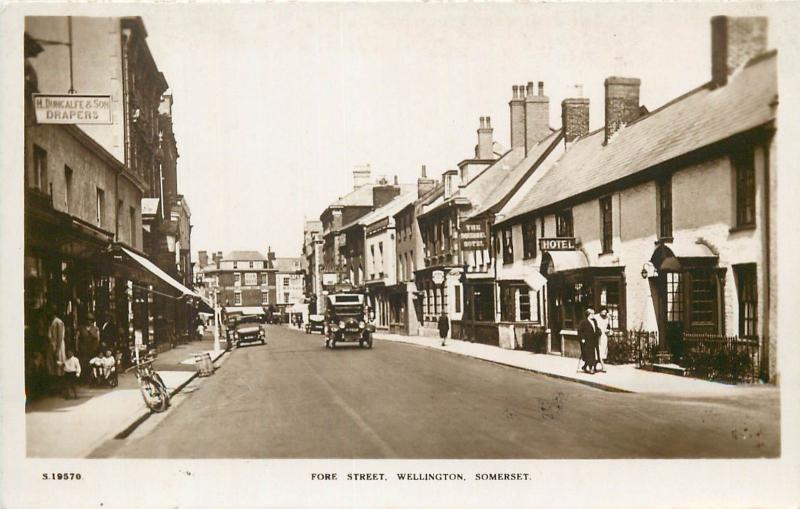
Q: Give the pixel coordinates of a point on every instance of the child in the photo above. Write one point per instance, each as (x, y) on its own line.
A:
(109, 365)
(96, 366)
(72, 370)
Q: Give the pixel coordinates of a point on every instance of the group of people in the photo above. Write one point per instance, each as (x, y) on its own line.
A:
(59, 365)
(593, 332)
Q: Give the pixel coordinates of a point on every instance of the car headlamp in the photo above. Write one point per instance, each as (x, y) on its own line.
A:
(361, 325)
(341, 325)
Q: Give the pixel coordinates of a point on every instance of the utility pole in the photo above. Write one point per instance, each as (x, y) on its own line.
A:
(317, 279)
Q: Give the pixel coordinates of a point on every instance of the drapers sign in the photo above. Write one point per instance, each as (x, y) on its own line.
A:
(473, 236)
(72, 109)
(557, 244)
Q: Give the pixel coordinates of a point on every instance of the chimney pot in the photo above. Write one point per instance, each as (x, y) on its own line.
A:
(537, 116)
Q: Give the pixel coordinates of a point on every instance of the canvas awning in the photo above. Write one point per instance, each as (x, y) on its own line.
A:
(561, 261)
(156, 271)
(530, 276)
(667, 256)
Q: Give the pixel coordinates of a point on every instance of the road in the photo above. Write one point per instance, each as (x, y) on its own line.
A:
(296, 399)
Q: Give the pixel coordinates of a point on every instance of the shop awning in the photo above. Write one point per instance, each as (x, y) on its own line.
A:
(667, 256)
(530, 276)
(567, 260)
(156, 271)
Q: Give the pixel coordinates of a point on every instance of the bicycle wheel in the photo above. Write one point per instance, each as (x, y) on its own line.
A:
(164, 388)
(153, 394)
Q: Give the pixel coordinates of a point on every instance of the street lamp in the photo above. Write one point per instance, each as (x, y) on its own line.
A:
(217, 323)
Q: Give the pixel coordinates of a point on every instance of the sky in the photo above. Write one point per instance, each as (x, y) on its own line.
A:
(276, 104)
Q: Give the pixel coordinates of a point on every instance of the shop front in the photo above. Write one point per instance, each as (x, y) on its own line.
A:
(403, 309)
(574, 286)
(688, 286)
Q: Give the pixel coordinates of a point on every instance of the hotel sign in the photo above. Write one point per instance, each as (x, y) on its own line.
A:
(72, 109)
(557, 244)
(474, 236)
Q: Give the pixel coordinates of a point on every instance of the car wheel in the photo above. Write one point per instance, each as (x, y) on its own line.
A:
(369, 341)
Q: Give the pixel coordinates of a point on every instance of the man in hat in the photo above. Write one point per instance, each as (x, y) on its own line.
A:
(588, 334)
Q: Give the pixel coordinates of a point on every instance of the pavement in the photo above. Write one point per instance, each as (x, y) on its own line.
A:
(294, 398)
(101, 413)
(622, 378)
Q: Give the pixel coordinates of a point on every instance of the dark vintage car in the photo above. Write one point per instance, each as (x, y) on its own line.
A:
(346, 320)
(248, 329)
(315, 323)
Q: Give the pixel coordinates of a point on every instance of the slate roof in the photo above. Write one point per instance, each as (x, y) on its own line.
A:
(362, 197)
(244, 256)
(699, 118)
(493, 189)
(406, 191)
(289, 264)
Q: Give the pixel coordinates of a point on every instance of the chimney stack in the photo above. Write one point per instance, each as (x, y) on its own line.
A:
(537, 116)
(734, 41)
(217, 257)
(622, 103)
(202, 258)
(517, 108)
(361, 176)
(396, 181)
(485, 149)
(424, 184)
(574, 118)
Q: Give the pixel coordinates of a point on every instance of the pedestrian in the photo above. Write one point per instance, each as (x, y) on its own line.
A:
(55, 347)
(604, 328)
(109, 332)
(88, 340)
(72, 371)
(444, 327)
(588, 333)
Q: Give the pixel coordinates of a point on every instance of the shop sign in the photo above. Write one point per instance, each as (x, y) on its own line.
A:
(376, 227)
(329, 278)
(557, 244)
(438, 277)
(473, 236)
(72, 109)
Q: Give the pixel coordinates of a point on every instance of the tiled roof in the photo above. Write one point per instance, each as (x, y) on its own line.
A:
(362, 197)
(244, 256)
(699, 118)
(502, 184)
(406, 190)
(390, 209)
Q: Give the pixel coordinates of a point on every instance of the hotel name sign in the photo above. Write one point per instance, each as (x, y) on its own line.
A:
(72, 109)
(557, 244)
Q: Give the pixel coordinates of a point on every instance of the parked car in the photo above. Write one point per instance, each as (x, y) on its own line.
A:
(248, 329)
(315, 323)
(346, 320)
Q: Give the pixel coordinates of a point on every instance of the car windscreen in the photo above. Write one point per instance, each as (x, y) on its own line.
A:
(248, 320)
(342, 311)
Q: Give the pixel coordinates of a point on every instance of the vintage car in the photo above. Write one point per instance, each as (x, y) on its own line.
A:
(315, 323)
(347, 321)
(248, 329)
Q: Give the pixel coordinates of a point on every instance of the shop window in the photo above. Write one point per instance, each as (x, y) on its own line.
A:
(748, 299)
(674, 297)
(39, 177)
(664, 188)
(524, 305)
(237, 299)
(508, 246)
(508, 297)
(564, 224)
(529, 239)
(703, 303)
(606, 224)
(743, 163)
(609, 294)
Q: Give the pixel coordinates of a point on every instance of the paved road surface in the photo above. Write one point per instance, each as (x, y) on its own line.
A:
(296, 399)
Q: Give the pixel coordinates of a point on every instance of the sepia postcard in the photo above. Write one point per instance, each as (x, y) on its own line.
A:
(397, 255)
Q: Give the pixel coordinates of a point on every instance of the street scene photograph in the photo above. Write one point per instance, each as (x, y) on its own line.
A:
(401, 231)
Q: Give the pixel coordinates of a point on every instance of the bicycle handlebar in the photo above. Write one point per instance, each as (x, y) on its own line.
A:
(143, 363)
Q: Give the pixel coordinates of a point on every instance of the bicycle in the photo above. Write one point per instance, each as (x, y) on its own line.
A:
(154, 390)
